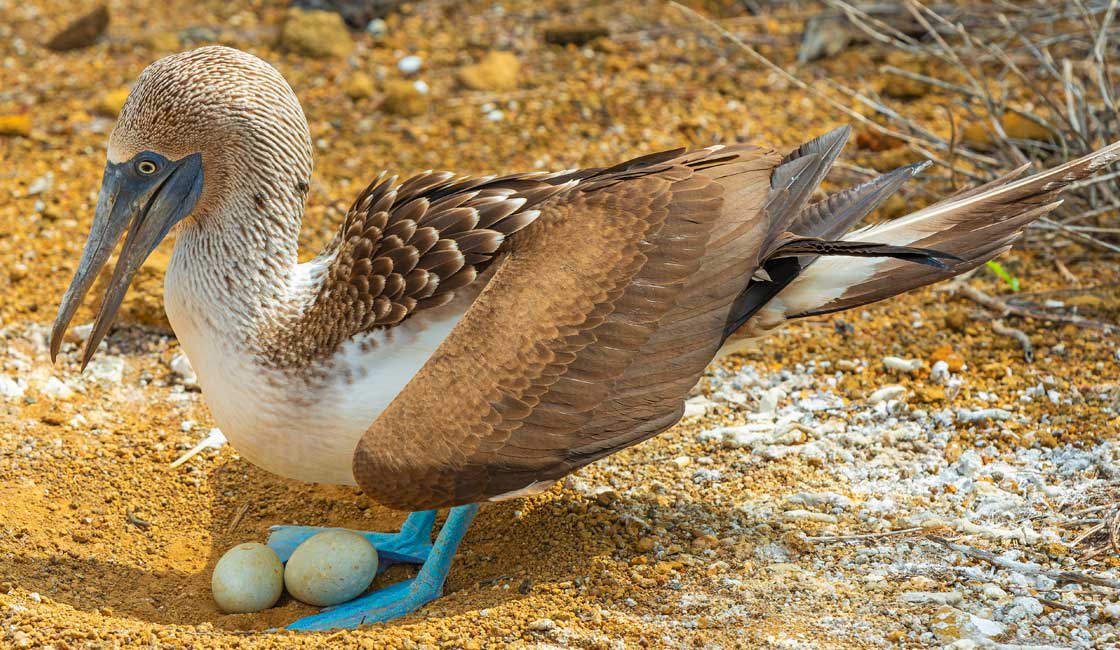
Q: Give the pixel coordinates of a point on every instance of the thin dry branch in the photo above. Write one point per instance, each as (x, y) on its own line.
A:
(1002, 308)
(1026, 568)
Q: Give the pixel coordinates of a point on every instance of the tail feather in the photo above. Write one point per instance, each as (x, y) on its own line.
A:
(967, 229)
(973, 226)
(835, 215)
(794, 179)
(813, 246)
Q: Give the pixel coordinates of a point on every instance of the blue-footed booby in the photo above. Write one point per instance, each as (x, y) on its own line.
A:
(466, 339)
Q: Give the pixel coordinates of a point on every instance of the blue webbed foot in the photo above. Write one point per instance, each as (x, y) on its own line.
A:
(409, 545)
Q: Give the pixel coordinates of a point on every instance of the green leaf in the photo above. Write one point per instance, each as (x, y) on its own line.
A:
(998, 269)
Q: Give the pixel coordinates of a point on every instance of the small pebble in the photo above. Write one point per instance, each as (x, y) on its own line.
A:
(10, 388)
(886, 393)
(932, 597)
(377, 28)
(55, 388)
(181, 366)
(331, 567)
(902, 365)
(410, 64)
(248, 578)
(993, 591)
(809, 515)
(979, 415)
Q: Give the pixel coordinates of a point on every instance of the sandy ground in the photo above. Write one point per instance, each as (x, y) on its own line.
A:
(798, 504)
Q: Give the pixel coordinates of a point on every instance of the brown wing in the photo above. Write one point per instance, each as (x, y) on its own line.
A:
(586, 339)
(408, 247)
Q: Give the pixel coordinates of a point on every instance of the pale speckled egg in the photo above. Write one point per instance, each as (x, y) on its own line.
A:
(331, 567)
(248, 578)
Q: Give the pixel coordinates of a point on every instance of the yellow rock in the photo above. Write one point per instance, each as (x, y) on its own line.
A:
(496, 71)
(704, 542)
(950, 356)
(929, 394)
(110, 103)
(405, 99)
(359, 86)
(948, 623)
(318, 34)
(15, 125)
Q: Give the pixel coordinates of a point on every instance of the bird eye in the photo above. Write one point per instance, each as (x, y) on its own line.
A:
(146, 167)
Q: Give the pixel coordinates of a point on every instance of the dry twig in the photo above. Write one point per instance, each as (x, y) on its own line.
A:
(856, 537)
(1004, 309)
(1019, 335)
(1026, 568)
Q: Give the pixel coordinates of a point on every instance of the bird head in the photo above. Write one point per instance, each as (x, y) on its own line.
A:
(194, 128)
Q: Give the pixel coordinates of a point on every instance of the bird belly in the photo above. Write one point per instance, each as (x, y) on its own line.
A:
(304, 423)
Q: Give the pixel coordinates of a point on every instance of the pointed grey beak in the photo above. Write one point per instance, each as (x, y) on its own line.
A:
(145, 196)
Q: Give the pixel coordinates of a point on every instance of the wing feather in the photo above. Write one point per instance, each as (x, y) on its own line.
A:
(548, 369)
(408, 247)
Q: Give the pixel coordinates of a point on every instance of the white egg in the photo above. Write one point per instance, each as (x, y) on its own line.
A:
(331, 567)
(248, 578)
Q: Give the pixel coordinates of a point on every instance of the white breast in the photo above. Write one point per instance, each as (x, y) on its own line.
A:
(280, 421)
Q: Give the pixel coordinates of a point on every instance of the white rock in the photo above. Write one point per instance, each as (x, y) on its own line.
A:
(968, 464)
(181, 366)
(1112, 610)
(983, 627)
(10, 388)
(707, 476)
(886, 393)
(698, 406)
(768, 403)
(816, 499)
(377, 28)
(106, 368)
(932, 597)
(1022, 607)
(331, 567)
(979, 415)
(902, 365)
(41, 184)
(55, 388)
(747, 435)
(940, 372)
(993, 591)
(82, 332)
(542, 625)
(248, 578)
(808, 515)
(410, 64)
